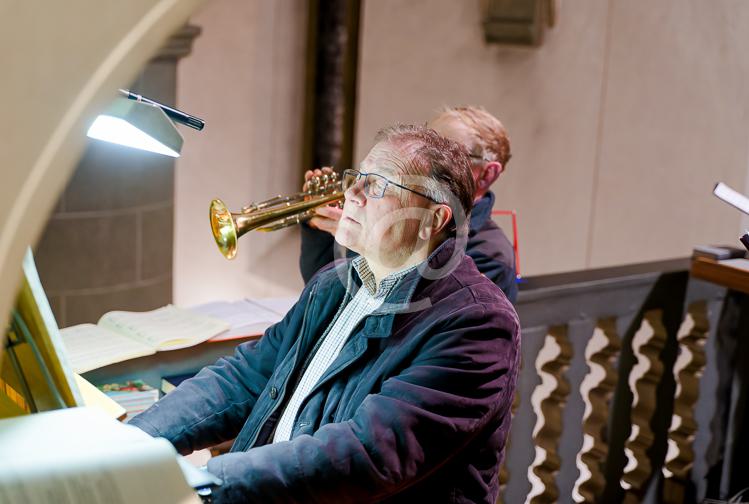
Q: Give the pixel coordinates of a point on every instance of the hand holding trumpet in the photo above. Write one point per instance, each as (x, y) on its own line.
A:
(327, 216)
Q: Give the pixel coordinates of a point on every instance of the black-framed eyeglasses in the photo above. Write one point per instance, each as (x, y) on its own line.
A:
(375, 185)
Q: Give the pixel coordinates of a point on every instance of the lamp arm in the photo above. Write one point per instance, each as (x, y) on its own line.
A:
(174, 114)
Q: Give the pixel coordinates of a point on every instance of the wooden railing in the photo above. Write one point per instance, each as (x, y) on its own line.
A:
(624, 389)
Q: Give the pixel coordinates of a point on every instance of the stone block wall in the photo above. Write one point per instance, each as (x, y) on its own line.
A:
(109, 242)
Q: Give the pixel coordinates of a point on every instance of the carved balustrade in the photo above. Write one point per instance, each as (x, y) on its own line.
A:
(625, 389)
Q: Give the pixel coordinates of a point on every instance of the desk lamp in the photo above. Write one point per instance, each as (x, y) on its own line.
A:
(135, 121)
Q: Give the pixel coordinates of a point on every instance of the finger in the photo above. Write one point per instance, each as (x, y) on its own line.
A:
(307, 175)
(323, 225)
(326, 225)
(329, 212)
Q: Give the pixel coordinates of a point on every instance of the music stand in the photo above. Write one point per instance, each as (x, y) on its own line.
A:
(34, 371)
(736, 200)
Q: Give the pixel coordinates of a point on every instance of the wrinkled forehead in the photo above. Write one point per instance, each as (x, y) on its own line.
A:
(386, 159)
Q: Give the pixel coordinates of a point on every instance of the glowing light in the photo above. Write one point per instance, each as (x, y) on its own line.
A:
(118, 131)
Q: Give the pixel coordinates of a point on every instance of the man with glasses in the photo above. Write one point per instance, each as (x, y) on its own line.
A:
(486, 140)
(391, 379)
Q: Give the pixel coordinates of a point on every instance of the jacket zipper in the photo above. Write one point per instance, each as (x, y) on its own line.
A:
(282, 393)
(298, 375)
(311, 354)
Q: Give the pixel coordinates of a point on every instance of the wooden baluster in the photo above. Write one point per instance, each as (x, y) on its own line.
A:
(547, 401)
(596, 390)
(504, 474)
(688, 369)
(647, 344)
(520, 450)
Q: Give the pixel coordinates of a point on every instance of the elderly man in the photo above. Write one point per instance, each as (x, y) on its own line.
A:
(392, 377)
(486, 140)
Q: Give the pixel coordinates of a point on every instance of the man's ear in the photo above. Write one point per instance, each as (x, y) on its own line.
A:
(491, 172)
(439, 219)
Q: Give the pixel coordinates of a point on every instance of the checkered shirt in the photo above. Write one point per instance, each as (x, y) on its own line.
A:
(364, 303)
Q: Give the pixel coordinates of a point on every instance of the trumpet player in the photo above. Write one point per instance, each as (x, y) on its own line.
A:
(392, 378)
(488, 145)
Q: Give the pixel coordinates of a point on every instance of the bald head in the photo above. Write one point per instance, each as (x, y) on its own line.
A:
(483, 136)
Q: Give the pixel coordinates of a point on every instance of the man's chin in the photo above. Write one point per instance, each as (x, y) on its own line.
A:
(345, 238)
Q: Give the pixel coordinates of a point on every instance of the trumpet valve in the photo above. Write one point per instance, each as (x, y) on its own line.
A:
(321, 183)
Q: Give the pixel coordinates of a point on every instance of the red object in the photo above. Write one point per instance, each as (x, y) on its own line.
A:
(514, 216)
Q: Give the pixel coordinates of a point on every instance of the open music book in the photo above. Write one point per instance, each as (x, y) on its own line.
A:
(247, 317)
(121, 335)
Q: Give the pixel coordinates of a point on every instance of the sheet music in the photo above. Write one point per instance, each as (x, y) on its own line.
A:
(246, 317)
(168, 328)
(89, 346)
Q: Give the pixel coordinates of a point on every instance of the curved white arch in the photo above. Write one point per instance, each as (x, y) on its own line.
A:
(64, 61)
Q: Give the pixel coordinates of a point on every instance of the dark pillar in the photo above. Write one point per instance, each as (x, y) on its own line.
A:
(332, 52)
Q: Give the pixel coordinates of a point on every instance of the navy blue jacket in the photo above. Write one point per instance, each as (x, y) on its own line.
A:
(487, 245)
(416, 408)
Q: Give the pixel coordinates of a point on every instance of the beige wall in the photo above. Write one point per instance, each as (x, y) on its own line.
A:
(621, 123)
(245, 78)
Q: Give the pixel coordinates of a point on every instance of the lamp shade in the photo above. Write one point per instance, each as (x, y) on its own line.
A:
(138, 125)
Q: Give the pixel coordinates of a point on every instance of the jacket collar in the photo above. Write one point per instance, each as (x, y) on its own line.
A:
(367, 278)
(441, 262)
(482, 211)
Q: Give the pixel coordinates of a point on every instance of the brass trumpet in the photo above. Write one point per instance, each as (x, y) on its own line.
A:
(272, 214)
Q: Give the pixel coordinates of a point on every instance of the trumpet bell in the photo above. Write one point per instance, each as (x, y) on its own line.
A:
(224, 229)
(269, 215)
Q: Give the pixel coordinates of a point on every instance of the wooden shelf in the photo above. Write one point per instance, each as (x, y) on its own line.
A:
(722, 274)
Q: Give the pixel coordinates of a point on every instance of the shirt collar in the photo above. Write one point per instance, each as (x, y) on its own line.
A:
(367, 278)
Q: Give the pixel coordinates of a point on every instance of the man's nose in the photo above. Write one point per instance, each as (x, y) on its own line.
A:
(355, 194)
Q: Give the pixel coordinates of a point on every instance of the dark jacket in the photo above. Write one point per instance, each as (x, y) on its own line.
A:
(416, 408)
(487, 245)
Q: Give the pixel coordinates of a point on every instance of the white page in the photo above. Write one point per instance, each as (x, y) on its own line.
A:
(245, 317)
(236, 313)
(281, 306)
(80, 456)
(168, 328)
(732, 197)
(90, 347)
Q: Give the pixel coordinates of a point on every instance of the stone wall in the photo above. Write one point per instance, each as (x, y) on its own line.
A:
(109, 242)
